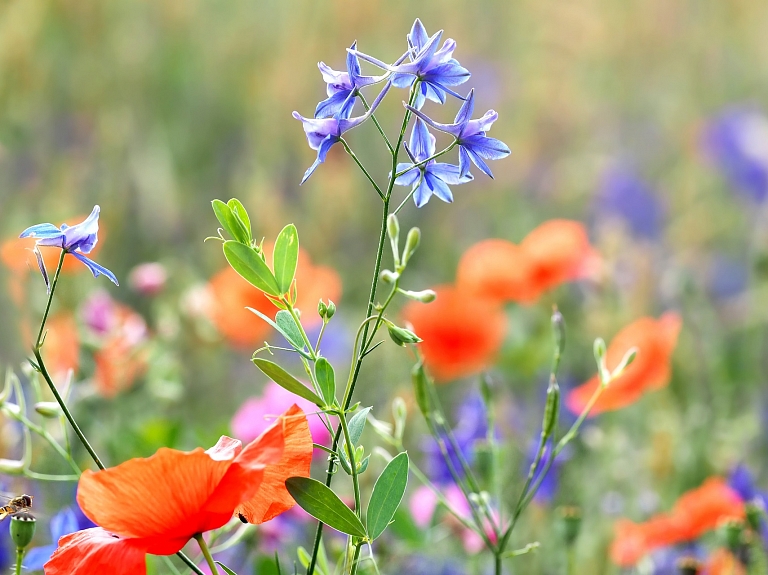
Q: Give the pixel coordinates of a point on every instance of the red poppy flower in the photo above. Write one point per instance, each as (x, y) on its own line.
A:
(155, 505)
(556, 252)
(655, 341)
(635, 540)
(231, 294)
(61, 350)
(462, 333)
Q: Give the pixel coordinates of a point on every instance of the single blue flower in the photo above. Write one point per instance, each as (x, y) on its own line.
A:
(63, 523)
(737, 141)
(625, 195)
(323, 133)
(432, 177)
(470, 136)
(743, 483)
(343, 87)
(76, 240)
(435, 69)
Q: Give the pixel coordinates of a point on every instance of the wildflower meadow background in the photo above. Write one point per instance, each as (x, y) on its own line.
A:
(602, 202)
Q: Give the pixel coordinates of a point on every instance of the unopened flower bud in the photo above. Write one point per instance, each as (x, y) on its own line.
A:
(22, 530)
(419, 380)
(393, 227)
(48, 409)
(401, 336)
(388, 276)
(12, 467)
(322, 309)
(331, 309)
(411, 244)
(558, 328)
(363, 465)
(551, 409)
(628, 358)
(732, 532)
(570, 518)
(399, 413)
(423, 296)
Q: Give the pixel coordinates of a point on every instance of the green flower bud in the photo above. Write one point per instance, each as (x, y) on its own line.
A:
(399, 413)
(628, 358)
(423, 296)
(393, 230)
(12, 466)
(411, 244)
(22, 530)
(322, 309)
(731, 532)
(388, 276)
(363, 465)
(401, 336)
(551, 408)
(49, 409)
(754, 512)
(420, 383)
(331, 309)
(570, 521)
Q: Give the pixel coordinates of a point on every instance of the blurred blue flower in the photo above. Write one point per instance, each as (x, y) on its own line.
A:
(343, 86)
(76, 240)
(737, 141)
(743, 483)
(432, 177)
(625, 195)
(323, 133)
(472, 427)
(665, 561)
(421, 565)
(435, 69)
(728, 277)
(470, 136)
(63, 523)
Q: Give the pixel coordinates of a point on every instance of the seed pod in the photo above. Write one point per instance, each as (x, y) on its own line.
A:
(331, 309)
(411, 244)
(48, 409)
(551, 408)
(401, 336)
(22, 530)
(419, 380)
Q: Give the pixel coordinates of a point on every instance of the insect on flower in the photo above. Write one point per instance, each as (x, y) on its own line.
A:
(16, 505)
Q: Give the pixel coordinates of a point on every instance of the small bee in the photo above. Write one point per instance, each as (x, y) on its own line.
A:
(20, 504)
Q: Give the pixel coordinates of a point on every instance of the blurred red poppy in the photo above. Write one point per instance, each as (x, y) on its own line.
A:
(231, 294)
(462, 333)
(556, 252)
(696, 512)
(61, 349)
(156, 505)
(655, 341)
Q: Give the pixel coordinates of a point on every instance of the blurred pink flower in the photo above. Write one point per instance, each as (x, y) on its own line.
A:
(257, 414)
(148, 278)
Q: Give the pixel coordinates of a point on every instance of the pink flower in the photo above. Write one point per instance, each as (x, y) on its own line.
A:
(148, 279)
(257, 414)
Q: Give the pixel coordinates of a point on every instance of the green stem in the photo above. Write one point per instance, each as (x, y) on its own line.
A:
(352, 462)
(497, 563)
(429, 159)
(376, 123)
(49, 438)
(362, 167)
(355, 558)
(46, 477)
(297, 321)
(19, 557)
(207, 553)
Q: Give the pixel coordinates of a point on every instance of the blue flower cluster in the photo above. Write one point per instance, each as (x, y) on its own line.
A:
(431, 72)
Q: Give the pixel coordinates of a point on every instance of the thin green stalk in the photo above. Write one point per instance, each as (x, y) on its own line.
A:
(207, 553)
(19, 557)
(352, 462)
(426, 161)
(362, 167)
(376, 123)
(297, 321)
(46, 477)
(49, 438)
(355, 558)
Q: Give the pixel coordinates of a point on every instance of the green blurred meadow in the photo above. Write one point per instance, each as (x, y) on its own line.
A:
(153, 109)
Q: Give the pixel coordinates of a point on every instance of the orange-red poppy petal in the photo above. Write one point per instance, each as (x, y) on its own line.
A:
(273, 498)
(497, 270)
(704, 508)
(96, 552)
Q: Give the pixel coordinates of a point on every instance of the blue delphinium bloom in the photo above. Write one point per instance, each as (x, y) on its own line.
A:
(737, 141)
(76, 240)
(470, 136)
(625, 195)
(435, 69)
(323, 133)
(432, 177)
(63, 523)
(343, 86)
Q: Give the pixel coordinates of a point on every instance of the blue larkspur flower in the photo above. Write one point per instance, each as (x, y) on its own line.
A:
(434, 69)
(432, 177)
(624, 194)
(63, 523)
(343, 87)
(470, 135)
(323, 133)
(77, 240)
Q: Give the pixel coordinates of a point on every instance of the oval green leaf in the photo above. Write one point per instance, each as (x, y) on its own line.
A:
(356, 425)
(286, 380)
(326, 380)
(289, 329)
(238, 209)
(246, 262)
(387, 494)
(231, 224)
(324, 505)
(285, 257)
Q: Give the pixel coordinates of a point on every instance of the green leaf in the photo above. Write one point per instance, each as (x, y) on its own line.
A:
(245, 261)
(239, 211)
(324, 505)
(285, 257)
(231, 224)
(280, 330)
(387, 494)
(286, 380)
(326, 380)
(357, 424)
(289, 329)
(227, 570)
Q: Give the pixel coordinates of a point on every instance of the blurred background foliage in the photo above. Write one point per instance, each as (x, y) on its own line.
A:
(152, 109)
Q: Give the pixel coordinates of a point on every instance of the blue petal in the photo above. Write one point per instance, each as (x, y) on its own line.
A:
(37, 557)
(478, 161)
(83, 235)
(448, 74)
(439, 187)
(422, 144)
(331, 106)
(433, 91)
(403, 80)
(464, 162)
(449, 173)
(41, 231)
(485, 147)
(95, 268)
(63, 523)
(467, 109)
(418, 36)
(453, 129)
(322, 152)
(422, 194)
(408, 178)
(353, 64)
